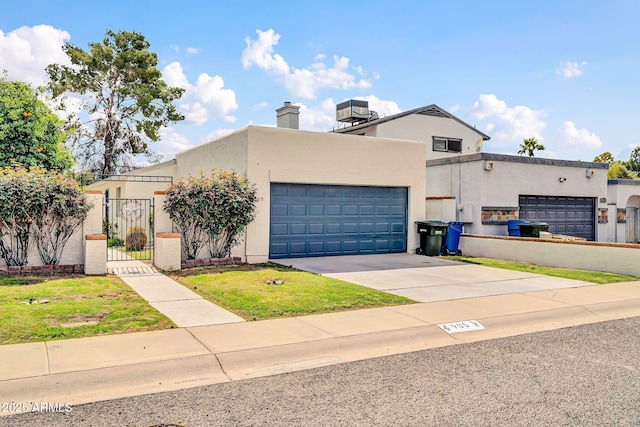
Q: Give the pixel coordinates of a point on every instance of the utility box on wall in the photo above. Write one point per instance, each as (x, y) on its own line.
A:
(465, 213)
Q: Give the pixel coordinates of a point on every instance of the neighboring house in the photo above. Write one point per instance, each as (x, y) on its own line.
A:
(486, 190)
(624, 201)
(444, 135)
(338, 193)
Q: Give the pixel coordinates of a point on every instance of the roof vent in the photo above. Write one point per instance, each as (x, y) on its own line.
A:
(352, 111)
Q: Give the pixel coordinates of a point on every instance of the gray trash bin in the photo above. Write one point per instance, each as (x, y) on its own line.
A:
(432, 234)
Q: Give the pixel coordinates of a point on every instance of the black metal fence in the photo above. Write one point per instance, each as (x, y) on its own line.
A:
(128, 225)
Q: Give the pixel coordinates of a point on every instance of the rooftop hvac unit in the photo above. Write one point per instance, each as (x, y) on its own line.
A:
(352, 111)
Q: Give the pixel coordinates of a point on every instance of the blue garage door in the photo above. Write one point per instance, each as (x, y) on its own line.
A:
(571, 216)
(327, 220)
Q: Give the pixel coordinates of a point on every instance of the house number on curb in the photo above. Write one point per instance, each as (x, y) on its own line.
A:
(464, 326)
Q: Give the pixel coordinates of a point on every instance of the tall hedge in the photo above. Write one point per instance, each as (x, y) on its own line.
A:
(41, 207)
(211, 210)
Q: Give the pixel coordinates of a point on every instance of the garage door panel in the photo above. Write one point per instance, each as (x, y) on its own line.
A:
(279, 209)
(316, 247)
(334, 210)
(334, 228)
(316, 229)
(316, 220)
(317, 210)
(574, 216)
(298, 248)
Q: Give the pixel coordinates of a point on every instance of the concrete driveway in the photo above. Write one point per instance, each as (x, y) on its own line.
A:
(427, 279)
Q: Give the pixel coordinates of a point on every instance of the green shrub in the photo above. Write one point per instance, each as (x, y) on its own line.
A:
(41, 207)
(211, 210)
(135, 239)
(115, 241)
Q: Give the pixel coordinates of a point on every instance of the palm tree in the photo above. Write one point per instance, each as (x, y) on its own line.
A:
(529, 146)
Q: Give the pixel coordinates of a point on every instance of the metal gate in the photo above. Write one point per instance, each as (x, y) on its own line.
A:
(128, 225)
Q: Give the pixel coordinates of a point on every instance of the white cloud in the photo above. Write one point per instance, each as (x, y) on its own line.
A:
(216, 134)
(193, 50)
(260, 106)
(571, 138)
(454, 108)
(300, 82)
(380, 106)
(206, 98)
(322, 117)
(570, 69)
(174, 47)
(260, 53)
(511, 124)
(26, 52)
(171, 142)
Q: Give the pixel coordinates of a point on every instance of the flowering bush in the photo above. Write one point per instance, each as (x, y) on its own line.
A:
(211, 210)
(41, 207)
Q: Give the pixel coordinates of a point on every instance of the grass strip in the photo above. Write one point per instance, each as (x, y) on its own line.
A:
(246, 292)
(565, 273)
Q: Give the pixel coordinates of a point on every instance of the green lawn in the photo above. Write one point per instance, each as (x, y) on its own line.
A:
(565, 273)
(145, 254)
(116, 307)
(244, 291)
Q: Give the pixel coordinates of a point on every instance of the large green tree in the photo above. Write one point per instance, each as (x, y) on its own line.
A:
(529, 146)
(125, 100)
(605, 157)
(634, 160)
(30, 133)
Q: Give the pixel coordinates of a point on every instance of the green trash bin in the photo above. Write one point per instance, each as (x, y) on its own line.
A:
(432, 234)
(533, 229)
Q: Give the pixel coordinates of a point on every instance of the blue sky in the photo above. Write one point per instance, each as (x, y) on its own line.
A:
(564, 71)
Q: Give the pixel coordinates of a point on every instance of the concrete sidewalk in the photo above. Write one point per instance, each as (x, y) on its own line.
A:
(183, 306)
(100, 368)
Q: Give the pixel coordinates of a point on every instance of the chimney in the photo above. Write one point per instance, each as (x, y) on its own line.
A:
(287, 116)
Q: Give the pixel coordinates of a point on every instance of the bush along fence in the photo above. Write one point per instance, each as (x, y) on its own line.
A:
(49, 225)
(210, 212)
(41, 214)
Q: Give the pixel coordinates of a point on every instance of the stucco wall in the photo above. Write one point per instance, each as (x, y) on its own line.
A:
(467, 180)
(226, 153)
(139, 189)
(621, 259)
(294, 156)
(419, 127)
(622, 193)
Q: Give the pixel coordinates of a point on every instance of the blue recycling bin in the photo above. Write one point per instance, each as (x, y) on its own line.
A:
(513, 227)
(452, 239)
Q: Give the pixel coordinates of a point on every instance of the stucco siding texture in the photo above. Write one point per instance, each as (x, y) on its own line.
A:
(470, 183)
(225, 153)
(417, 127)
(301, 157)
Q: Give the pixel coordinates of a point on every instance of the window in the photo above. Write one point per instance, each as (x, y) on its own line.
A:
(499, 215)
(622, 215)
(603, 215)
(447, 144)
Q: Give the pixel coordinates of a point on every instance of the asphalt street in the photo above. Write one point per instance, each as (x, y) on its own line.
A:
(581, 376)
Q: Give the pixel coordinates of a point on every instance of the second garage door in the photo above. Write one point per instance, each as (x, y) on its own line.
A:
(326, 220)
(572, 216)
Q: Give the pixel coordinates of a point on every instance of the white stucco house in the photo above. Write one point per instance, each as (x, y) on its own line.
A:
(360, 188)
